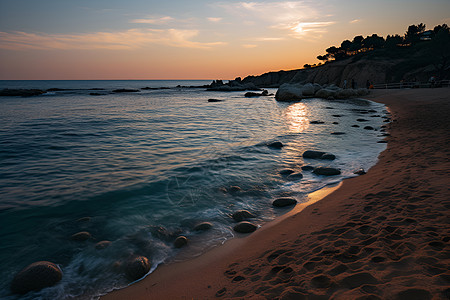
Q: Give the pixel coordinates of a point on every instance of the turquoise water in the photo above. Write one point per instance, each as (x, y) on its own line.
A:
(133, 162)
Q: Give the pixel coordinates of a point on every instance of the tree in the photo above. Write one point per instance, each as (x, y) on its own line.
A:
(413, 33)
(393, 41)
(357, 43)
(441, 50)
(373, 42)
(345, 46)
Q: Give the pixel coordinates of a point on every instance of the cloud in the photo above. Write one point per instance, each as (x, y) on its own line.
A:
(249, 46)
(160, 20)
(354, 21)
(297, 19)
(215, 20)
(120, 40)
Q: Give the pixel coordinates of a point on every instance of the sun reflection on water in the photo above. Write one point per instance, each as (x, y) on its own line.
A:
(296, 114)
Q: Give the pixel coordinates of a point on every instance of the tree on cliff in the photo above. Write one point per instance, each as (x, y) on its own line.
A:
(441, 49)
(412, 35)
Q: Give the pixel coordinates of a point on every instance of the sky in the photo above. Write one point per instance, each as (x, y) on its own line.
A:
(175, 39)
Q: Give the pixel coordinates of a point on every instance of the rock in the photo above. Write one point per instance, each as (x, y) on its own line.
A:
(244, 227)
(337, 116)
(316, 122)
(21, 92)
(214, 100)
(312, 154)
(335, 123)
(307, 168)
(289, 92)
(286, 172)
(328, 156)
(275, 145)
(242, 215)
(362, 120)
(318, 155)
(337, 133)
(125, 91)
(35, 277)
(102, 245)
(326, 171)
(309, 90)
(180, 241)
(326, 93)
(360, 172)
(234, 189)
(137, 267)
(295, 176)
(253, 94)
(81, 236)
(346, 94)
(356, 126)
(203, 226)
(368, 128)
(285, 201)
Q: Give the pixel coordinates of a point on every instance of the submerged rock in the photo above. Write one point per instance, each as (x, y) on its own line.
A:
(81, 236)
(316, 122)
(102, 245)
(242, 215)
(245, 227)
(35, 277)
(295, 176)
(137, 267)
(307, 168)
(126, 91)
(285, 201)
(203, 226)
(214, 100)
(286, 172)
(275, 145)
(180, 241)
(21, 92)
(338, 133)
(318, 155)
(326, 171)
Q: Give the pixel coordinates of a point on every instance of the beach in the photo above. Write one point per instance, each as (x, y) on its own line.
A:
(382, 235)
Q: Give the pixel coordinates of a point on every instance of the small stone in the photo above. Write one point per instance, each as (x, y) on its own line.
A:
(338, 133)
(328, 156)
(245, 227)
(360, 172)
(286, 172)
(307, 168)
(295, 176)
(180, 241)
(282, 202)
(368, 128)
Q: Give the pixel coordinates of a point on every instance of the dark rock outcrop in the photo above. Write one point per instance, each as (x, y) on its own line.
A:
(285, 201)
(35, 277)
(21, 92)
(214, 100)
(295, 176)
(275, 145)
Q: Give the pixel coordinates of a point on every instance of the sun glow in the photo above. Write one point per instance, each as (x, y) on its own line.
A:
(296, 114)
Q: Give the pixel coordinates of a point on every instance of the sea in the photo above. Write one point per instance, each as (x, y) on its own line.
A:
(138, 169)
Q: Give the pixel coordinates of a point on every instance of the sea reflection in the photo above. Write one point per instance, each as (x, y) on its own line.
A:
(296, 114)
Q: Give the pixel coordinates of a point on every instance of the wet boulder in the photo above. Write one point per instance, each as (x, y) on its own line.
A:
(245, 227)
(295, 176)
(326, 171)
(289, 93)
(307, 168)
(203, 226)
(285, 201)
(180, 241)
(137, 267)
(275, 145)
(318, 155)
(242, 215)
(286, 172)
(102, 245)
(35, 277)
(81, 236)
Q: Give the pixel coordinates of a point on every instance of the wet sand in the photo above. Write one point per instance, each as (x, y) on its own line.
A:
(382, 235)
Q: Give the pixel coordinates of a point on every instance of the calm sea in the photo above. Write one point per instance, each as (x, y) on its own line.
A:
(145, 166)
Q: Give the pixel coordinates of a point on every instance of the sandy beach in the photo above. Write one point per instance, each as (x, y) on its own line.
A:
(382, 235)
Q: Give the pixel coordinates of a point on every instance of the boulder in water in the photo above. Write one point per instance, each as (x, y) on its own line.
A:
(307, 168)
(326, 171)
(275, 145)
(214, 100)
(286, 172)
(289, 93)
(285, 201)
(137, 267)
(102, 245)
(203, 226)
(244, 227)
(295, 176)
(35, 277)
(81, 236)
(242, 215)
(180, 241)
(318, 155)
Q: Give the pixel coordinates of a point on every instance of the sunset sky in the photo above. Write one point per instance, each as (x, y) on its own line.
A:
(147, 39)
